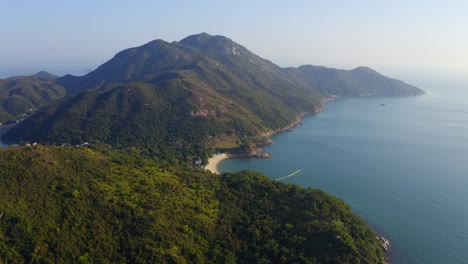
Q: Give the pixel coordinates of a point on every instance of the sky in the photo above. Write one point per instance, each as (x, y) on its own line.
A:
(393, 37)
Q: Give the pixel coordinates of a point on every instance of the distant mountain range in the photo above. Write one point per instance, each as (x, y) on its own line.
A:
(201, 92)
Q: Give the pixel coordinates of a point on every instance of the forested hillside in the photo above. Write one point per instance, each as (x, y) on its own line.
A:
(131, 192)
(95, 205)
(22, 96)
(204, 93)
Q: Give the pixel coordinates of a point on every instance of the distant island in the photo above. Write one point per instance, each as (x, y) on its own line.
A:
(117, 174)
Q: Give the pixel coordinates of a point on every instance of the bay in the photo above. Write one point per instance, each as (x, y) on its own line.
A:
(401, 163)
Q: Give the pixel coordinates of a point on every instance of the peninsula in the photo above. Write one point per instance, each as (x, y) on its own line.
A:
(142, 125)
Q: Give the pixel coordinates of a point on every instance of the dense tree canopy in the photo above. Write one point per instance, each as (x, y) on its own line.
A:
(134, 196)
(69, 205)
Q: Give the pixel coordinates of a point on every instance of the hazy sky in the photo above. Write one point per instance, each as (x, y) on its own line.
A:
(73, 36)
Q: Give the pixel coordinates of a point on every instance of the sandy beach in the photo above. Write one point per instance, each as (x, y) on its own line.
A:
(214, 161)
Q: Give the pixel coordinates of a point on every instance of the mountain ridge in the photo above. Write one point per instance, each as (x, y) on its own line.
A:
(231, 97)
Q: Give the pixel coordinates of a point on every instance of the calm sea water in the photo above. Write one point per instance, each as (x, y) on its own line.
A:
(3, 129)
(2, 144)
(403, 167)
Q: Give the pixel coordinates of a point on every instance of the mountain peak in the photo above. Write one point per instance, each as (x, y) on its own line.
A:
(156, 42)
(44, 74)
(216, 44)
(314, 67)
(364, 69)
(196, 39)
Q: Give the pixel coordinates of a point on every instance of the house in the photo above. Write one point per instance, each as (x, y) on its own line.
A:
(198, 162)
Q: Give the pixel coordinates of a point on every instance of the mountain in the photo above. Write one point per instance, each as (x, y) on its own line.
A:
(134, 196)
(361, 81)
(202, 92)
(163, 93)
(21, 96)
(46, 75)
(95, 205)
(41, 74)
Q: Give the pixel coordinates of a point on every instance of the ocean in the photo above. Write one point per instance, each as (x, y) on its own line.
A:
(3, 129)
(401, 163)
(3, 144)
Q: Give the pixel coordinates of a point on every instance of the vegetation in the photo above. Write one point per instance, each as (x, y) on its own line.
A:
(69, 205)
(191, 96)
(133, 196)
(21, 96)
(123, 116)
(361, 81)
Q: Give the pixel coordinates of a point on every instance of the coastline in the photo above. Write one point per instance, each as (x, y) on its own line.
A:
(294, 124)
(214, 161)
(258, 151)
(388, 257)
(298, 121)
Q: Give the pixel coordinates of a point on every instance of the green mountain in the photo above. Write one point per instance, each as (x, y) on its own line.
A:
(160, 106)
(21, 96)
(200, 93)
(94, 205)
(171, 93)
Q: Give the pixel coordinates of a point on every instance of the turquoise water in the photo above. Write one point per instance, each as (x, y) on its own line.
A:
(403, 167)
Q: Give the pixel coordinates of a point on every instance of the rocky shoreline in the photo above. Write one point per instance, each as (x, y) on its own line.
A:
(258, 153)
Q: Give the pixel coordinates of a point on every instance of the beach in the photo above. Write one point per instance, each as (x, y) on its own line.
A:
(214, 161)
